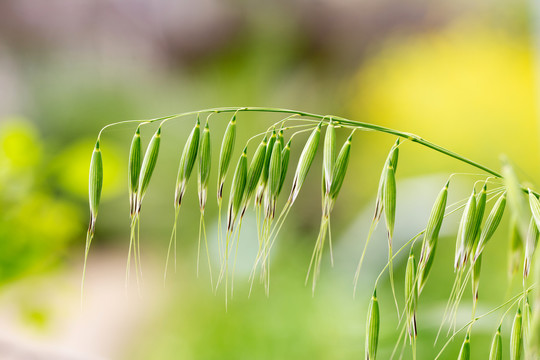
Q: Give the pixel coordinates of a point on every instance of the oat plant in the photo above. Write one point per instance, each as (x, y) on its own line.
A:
(253, 177)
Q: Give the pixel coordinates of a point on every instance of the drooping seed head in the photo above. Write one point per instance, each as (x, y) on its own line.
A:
(465, 352)
(431, 236)
(304, 163)
(372, 328)
(329, 154)
(516, 337)
(187, 160)
(237, 189)
(225, 155)
(492, 222)
(496, 346)
(134, 168)
(205, 161)
(95, 184)
(148, 165)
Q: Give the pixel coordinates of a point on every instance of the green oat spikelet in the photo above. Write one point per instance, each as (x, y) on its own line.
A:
(285, 155)
(266, 168)
(134, 169)
(205, 165)
(237, 189)
(187, 161)
(95, 184)
(148, 166)
(254, 172)
(516, 337)
(431, 236)
(225, 155)
(465, 232)
(329, 199)
(203, 174)
(492, 222)
(329, 154)
(391, 160)
(411, 296)
(496, 346)
(304, 163)
(372, 328)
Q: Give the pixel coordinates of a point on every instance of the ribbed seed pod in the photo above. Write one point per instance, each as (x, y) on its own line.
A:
(479, 214)
(411, 295)
(134, 169)
(266, 168)
(274, 174)
(304, 163)
(431, 236)
(465, 352)
(280, 138)
(491, 225)
(255, 170)
(496, 346)
(274, 177)
(205, 164)
(227, 147)
(187, 160)
(530, 247)
(466, 228)
(237, 189)
(285, 155)
(329, 154)
(389, 197)
(340, 168)
(516, 337)
(148, 165)
(269, 148)
(372, 328)
(95, 184)
(392, 158)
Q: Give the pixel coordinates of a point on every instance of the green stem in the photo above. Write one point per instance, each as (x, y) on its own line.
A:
(411, 137)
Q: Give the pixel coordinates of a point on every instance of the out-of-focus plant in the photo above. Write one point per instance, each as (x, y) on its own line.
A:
(36, 225)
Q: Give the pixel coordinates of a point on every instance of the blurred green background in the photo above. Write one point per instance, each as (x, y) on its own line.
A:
(461, 74)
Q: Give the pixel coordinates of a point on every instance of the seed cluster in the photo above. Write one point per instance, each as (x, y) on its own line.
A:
(259, 179)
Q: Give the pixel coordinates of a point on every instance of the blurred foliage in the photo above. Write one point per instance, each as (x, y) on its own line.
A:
(469, 87)
(35, 225)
